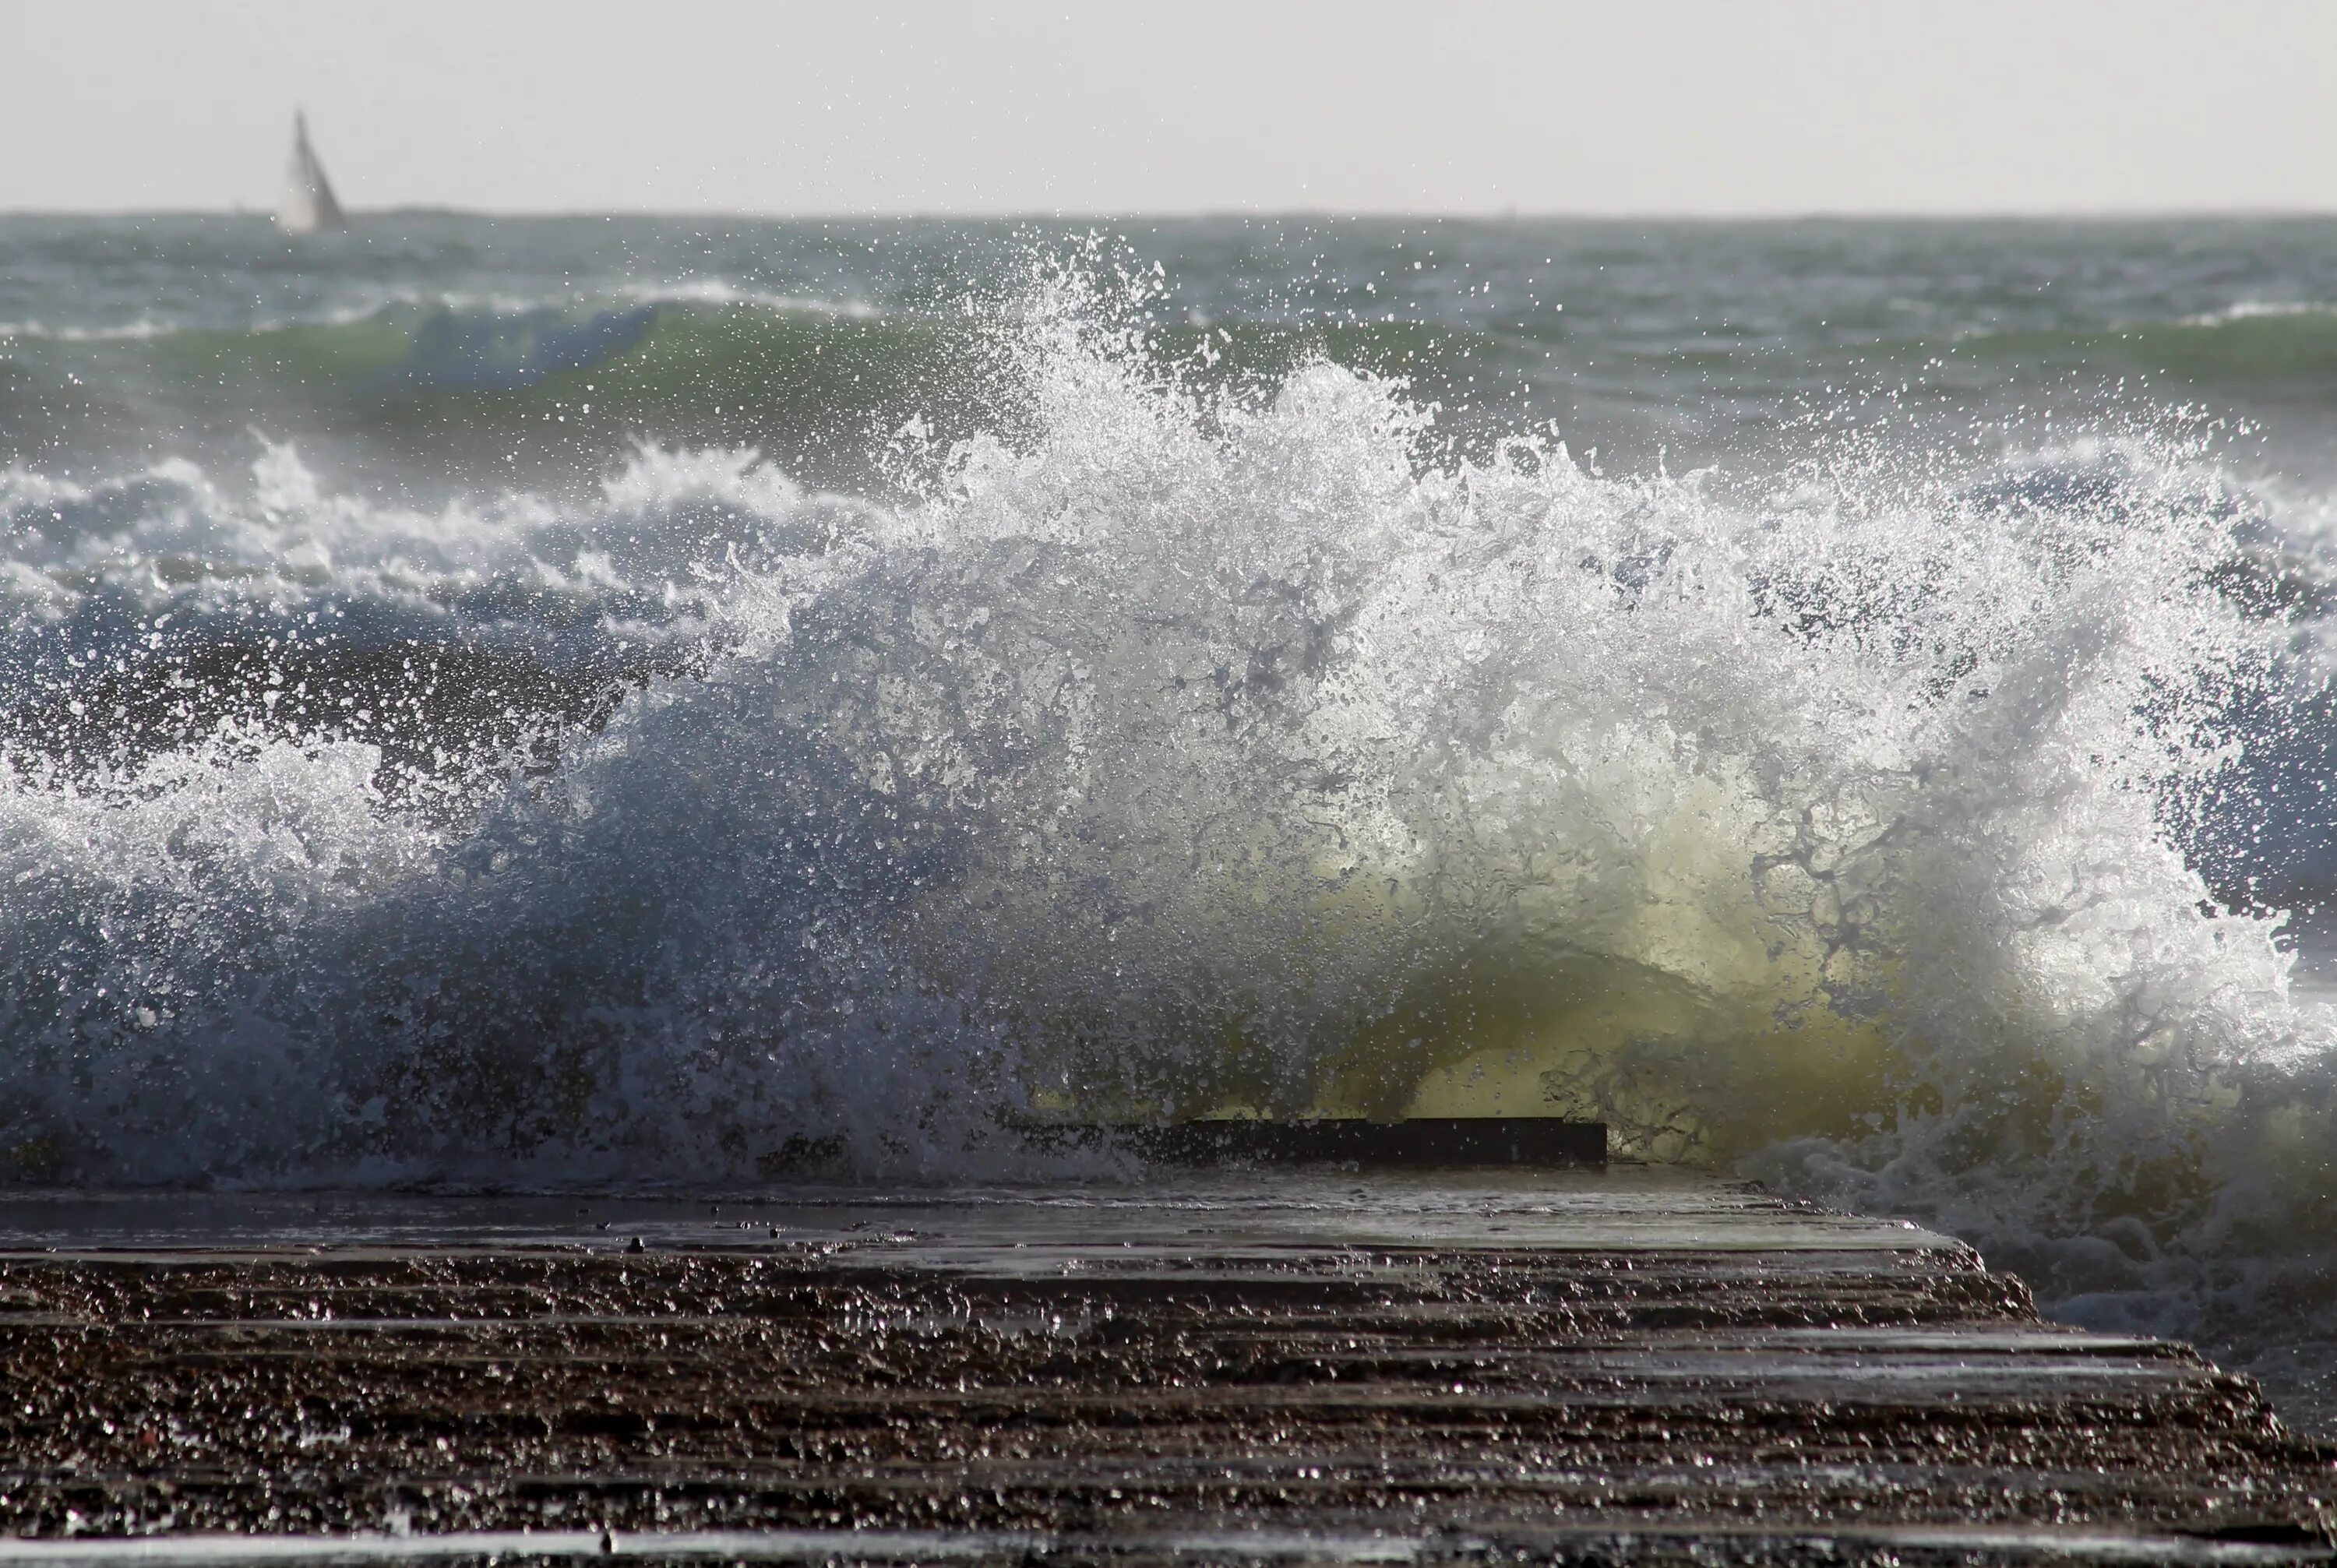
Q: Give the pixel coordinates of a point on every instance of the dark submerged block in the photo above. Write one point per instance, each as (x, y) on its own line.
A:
(1419, 1143)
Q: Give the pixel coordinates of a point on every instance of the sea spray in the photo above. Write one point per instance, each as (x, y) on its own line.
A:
(1180, 747)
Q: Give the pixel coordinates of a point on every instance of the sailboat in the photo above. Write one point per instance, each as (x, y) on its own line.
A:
(309, 204)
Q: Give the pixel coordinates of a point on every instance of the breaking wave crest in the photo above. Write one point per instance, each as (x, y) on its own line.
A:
(1184, 753)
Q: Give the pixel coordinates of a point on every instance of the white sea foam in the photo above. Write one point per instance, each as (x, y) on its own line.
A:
(171, 539)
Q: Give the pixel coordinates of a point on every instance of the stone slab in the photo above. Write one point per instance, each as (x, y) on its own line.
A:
(1617, 1364)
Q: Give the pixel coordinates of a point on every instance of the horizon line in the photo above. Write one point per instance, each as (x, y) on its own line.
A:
(1261, 214)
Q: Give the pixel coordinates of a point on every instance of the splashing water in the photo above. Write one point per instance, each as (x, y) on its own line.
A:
(1180, 752)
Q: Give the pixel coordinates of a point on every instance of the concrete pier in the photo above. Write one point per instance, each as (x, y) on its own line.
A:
(1595, 1365)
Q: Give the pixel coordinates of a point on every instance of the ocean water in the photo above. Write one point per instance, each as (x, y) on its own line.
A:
(498, 704)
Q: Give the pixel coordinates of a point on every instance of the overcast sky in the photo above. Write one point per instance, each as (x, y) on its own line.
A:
(1664, 107)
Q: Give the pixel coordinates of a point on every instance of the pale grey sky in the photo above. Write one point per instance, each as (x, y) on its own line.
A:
(1669, 106)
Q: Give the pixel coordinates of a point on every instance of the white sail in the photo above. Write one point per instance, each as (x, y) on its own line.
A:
(308, 203)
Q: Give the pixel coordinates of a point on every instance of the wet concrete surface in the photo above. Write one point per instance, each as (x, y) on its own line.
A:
(1616, 1365)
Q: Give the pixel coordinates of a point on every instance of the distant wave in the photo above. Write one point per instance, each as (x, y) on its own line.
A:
(376, 303)
(719, 291)
(2256, 310)
(469, 386)
(2253, 349)
(118, 332)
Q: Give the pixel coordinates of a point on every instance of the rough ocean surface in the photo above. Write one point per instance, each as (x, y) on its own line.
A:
(599, 703)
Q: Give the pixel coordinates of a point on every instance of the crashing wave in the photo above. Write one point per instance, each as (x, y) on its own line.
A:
(1194, 753)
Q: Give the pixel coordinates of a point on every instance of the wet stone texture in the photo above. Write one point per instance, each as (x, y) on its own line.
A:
(1413, 1361)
